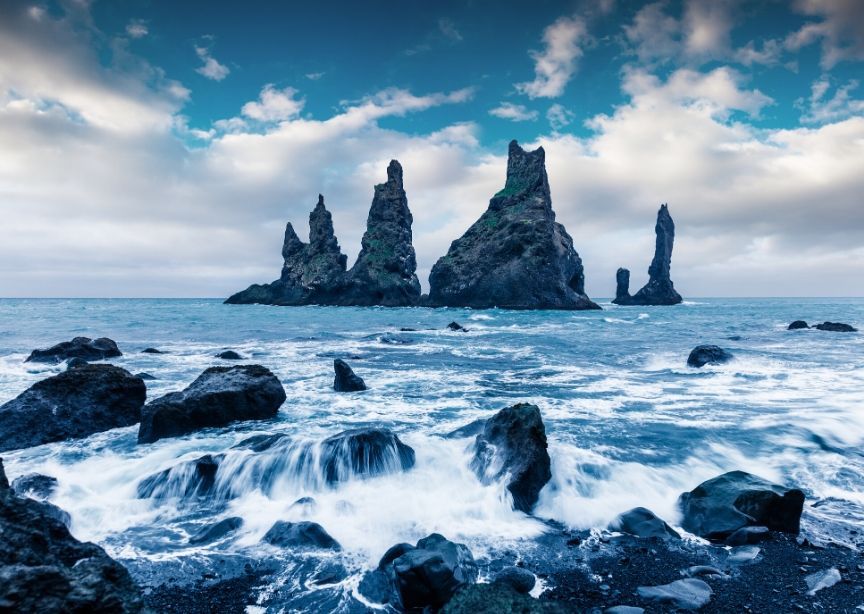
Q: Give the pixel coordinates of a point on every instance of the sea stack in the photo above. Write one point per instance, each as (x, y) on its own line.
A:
(659, 290)
(516, 256)
(312, 273)
(385, 271)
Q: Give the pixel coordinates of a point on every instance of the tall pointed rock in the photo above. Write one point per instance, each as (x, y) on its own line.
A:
(385, 271)
(516, 255)
(659, 290)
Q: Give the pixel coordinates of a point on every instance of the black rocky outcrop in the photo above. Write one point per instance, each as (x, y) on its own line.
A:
(72, 404)
(364, 453)
(513, 444)
(44, 569)
(516, 255)
(642, 522)
(300, 536)
(345, 379)
(797, 325)
(80, 347)
(229, 355)
(719, 507)
(836, 327)
(703, 355)
(219, 396)
(659, 290)
(195, 478)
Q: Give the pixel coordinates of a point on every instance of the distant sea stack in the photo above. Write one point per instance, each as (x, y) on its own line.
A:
(314, 273)
(516, 256)
(659, 290)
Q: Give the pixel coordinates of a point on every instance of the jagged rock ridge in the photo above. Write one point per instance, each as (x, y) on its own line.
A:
(659, 290)
(516, 255)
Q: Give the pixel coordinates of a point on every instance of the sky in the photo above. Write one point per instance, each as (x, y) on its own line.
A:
(157, 149)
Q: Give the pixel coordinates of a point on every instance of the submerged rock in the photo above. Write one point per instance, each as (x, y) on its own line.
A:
(513, 444)
(80, 347)
(196, 478)
(34, 485)
(687, 594)
(151, 351)
(364, 453)
(301, 536)
(703, 355)
(798, 324)
(516, 256)
(218, 397)
(456, 327)
(659, 290)
(216, 531)
(229, 355)
(44, 569)
(642, 522)
(346, 380)
(836, 327)
(385, 271)
(73, 404)
(719, 507)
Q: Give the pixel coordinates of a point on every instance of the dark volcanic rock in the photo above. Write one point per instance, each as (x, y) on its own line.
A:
(196, 478)
(516, 255)
(798, 324)
(430, 574)
(836, 327)
(385, 271)
(642, 522)
(469, 430)
(229, 355)
(519, 579)
(312, 273)
(659, 290)
(34, 485)
(77, 403)
(74, 363)
(145, 376)
(216, 531)
(346, 380)
(456, 327)
(219, 396)
(513, 444)
(717, 508)
(703, 355)
(151, 351)
(300, 535)
(44, 569)
(363, 452)
(79, 347)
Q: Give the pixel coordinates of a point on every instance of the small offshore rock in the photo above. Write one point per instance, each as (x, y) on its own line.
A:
(703, 355)
(35, 486)
(798, 324)
(519, 579)
(642, 522)
(346, 380)
(80, 347)
(687, 594)
(300, 535)
(216, 531)
(229, 355)
(456, 327)
(836, 327)
(151, 351)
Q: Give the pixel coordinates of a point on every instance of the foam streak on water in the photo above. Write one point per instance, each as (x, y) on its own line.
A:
(628, 422)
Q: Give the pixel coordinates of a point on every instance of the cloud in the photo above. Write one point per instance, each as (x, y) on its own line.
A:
(513, 112)
(211, 68)
(559, 117)
(449, 30)
(840, 29)
(707, 27)
(274, 105)
(556, 64)
(314, 76)
(820, 109)
(137, 28)
(654, 34)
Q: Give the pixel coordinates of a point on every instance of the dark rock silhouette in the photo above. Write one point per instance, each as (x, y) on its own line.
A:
(719, 507)
(798, 324)
(219, 396)
(73, 404)
(44, 569)
(659, 290)
(195, 478)
(80, 347)
(516, 255)
(300, 536)
(513, 444)
(364, 452)
(456, 327)
(703, 355)
(519, 579)
(836, 327)
(151, 351)
(346, 380)
(642, 522)
(229, 355)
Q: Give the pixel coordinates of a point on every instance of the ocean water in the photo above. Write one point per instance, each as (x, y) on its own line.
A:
(628, 422)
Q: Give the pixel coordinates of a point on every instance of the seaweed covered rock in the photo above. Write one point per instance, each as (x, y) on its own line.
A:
(80, 347)
(219, 396)
(72, 404)
(513, 444)
(516, 255)
(659, 290)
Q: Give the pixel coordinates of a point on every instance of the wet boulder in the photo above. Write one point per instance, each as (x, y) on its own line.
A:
(797, 325)
(72, 404)
(721, 506)
(34, 485)
(218, 397)
(216, 531)
(363, 453)
(346, 380)
(196, 478)
(513, 444)
(430, 574)
(300, 536)
(44, 569)
(708, 355)
(80, 347)
(836, 327)
(642, 522)
(456, 327)
(229, 355)
(519, 579)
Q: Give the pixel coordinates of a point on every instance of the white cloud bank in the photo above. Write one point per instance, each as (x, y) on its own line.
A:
(556, 64)
(103, 199)
(211, 68)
